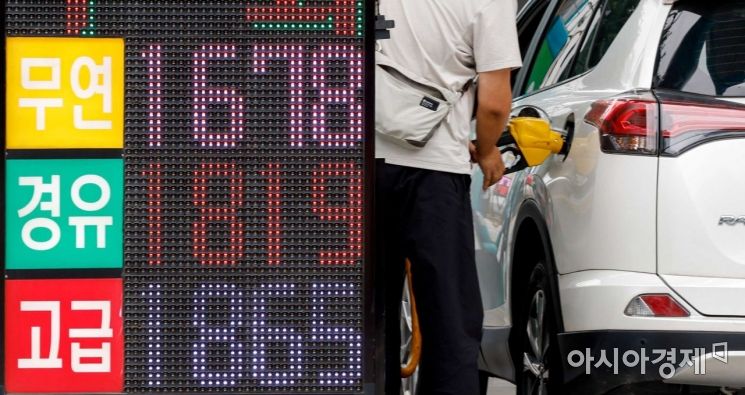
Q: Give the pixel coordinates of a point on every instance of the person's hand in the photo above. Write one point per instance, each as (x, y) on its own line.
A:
(491, 165)
(473, 151)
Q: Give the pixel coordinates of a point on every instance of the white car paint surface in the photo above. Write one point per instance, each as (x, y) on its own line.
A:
(623, 225)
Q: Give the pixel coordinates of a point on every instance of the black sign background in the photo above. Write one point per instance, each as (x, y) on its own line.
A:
(246, 189)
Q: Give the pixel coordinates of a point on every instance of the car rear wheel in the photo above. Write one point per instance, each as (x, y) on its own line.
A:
(539, 365)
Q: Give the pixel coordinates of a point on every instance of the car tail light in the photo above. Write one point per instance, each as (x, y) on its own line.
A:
(627, 124)
(687, 123)
(655, 305)
(632, 123)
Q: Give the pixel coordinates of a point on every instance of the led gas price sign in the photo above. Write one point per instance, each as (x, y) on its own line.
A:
(244, 133)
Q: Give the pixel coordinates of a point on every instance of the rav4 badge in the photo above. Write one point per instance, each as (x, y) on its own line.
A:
(731, 220)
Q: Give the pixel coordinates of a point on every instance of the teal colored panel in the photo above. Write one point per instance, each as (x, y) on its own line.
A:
(64, 213)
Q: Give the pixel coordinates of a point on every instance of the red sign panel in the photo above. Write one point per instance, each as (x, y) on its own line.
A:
(64, 335)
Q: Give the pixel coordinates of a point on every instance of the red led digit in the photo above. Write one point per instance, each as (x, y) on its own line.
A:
(76, 17)
(154, 213)
(154, 95)
(264, 56)
(345, 95)
(338, 15)
(274, 214)
(286, 10)
(218, 196)
(349, 212)
(207, 97)
(344, 20)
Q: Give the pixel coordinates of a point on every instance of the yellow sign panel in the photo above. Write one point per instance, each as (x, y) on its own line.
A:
(64, 92)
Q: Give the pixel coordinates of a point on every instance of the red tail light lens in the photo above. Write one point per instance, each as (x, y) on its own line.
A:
(686, 124)
(632, 123)
(627, 124)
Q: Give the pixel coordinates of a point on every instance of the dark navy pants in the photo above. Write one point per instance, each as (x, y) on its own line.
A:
(426, 216)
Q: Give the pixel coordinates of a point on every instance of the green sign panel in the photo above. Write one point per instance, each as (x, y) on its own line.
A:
(64, 214)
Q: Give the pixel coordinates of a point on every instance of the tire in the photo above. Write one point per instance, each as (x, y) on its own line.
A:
(535, 343)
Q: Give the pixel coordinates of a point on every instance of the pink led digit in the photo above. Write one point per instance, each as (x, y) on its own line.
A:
(214, 244)
(154, 95)
(349, 212)
(274, 214)
(207, 96)
(346, 96)
(154, 213)
(264, 56)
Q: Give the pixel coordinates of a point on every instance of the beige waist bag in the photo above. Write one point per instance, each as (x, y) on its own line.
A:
(408, 108)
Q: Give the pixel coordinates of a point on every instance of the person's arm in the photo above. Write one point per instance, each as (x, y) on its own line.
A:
(492, 113)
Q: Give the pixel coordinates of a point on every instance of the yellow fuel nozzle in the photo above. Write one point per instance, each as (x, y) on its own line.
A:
(532, 141)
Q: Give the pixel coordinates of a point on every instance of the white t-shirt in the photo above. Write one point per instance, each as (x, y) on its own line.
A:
(448, 42)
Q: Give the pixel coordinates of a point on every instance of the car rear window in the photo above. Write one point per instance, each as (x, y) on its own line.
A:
(702, 49)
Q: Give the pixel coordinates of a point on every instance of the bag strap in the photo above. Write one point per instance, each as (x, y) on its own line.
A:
(384, 60)
(387, 65)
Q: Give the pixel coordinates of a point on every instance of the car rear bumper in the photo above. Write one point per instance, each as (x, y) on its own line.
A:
(595, 300)
(694, 358)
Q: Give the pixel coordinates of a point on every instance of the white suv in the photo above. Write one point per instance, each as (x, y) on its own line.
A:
(621, 268)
